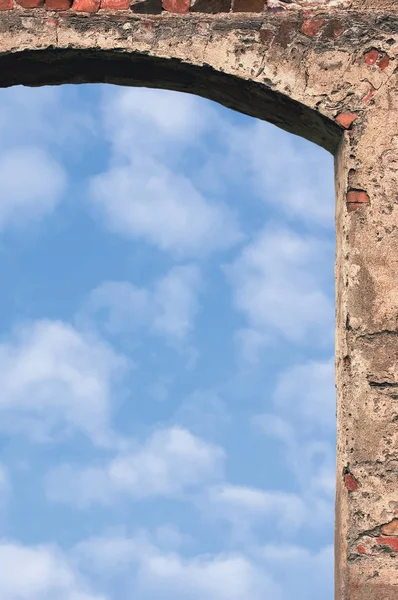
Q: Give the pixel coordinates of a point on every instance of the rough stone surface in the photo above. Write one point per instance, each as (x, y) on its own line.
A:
(322, 69)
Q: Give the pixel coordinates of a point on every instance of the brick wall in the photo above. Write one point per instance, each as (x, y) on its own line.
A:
(152, 7)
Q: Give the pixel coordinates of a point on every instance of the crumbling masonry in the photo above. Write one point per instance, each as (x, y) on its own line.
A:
(326, 70)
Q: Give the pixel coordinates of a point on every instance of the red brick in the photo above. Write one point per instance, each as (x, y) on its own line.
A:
(350, 482)
(58, 4)
(357, 197)
(346, 119)
(390, 528)
(176, 6)
(383, 62)
(248, 6)
(115, 4)
(369, 95)
(312, 26)
(391, 542)
(30, 3)
(361, 549)
(88, 6)
(371, 56)
(6, 4)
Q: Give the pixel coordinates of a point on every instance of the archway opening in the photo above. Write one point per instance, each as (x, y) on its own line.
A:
(167, 346)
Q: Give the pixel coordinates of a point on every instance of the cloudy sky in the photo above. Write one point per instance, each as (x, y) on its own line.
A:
(166, 354)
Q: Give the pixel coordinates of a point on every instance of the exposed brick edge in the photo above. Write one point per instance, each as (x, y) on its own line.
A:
(151, 7)
(145, 7)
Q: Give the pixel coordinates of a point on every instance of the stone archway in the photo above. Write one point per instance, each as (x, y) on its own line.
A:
(322, 69)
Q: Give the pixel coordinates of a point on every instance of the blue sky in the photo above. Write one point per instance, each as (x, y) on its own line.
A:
(167, 423)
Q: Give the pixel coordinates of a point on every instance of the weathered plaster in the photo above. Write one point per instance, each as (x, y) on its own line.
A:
(322, 69)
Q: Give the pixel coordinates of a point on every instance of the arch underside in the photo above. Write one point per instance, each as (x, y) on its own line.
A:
(30, 59)
(72, 66)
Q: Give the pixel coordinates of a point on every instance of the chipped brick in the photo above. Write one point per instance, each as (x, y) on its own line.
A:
(369, 95)
(346, 119)
(89, 6)
(312, 26)
(30, 3)
(357, 197)
(350, 482)
(115, 4)
(176, 6)
(371, 57)
(390, 542)
(383, 62)
(390, 529)
(58, 4)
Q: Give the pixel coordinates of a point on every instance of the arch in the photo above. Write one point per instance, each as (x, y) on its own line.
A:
(324, 70)
(136, 69)
(256, 64)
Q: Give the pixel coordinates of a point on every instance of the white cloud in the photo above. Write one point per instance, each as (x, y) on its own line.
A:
(293, 176)
(237, 503)
(171, 462)
(168, 309)
(148, 201)
(250, 343)
(176, 302)
(306, 392)
(310, 572)
(144, 194)
(277, 427)
(304, 418)
(5, 484)
(39, 573)
(46, 117)
(205, 413)
(154, 119)
(126, 306)
(311, 462)
(36, 125)
(153, 573)
(276, 283)
(250, 510)
(56, 380)
(141, 566)
(32, 183)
